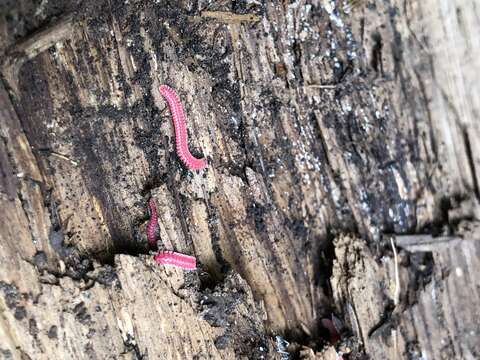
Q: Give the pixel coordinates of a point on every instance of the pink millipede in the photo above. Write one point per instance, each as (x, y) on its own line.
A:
(152, 227)
(176, 259)
(178, 119)
(334, 336)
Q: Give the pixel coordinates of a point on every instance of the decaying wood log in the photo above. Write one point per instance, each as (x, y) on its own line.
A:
(343, 165)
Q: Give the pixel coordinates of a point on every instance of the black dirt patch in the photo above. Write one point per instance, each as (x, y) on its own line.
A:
(220, 307)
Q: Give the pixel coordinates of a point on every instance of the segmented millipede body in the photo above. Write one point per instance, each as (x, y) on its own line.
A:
(152, 227)
(178, 119)
(176, 259)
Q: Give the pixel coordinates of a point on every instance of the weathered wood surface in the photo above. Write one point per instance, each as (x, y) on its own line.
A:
(325, 128)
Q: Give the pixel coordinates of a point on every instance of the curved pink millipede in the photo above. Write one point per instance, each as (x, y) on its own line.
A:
(178, 119)
(176, 259)
(152, 226)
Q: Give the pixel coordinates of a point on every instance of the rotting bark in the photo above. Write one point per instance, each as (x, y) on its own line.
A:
(332, 132)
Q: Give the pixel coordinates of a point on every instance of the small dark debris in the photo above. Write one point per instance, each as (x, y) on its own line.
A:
(40, 260)
(78, 268)
(33, 328)
(48, 278)
(91, 333)
(52, 332)
(217, 309)
(298, 228)
(10, 294)
(376, 55)
(56, 240)
(20, 312)
(90, 351)
(132, 346)
(257, 211)
(222, 342)
(422, 265)
(107, 276)
(81, 313)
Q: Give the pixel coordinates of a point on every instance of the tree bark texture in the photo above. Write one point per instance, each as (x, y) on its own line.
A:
(343, 150)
